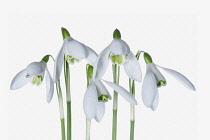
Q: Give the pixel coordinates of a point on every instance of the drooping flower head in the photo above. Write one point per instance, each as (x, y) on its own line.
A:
(119, 53)
(97, 95)
(35, 73)
(154, 79)
(72, 51)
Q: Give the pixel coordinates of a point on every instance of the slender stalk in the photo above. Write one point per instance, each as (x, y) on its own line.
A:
(68, 97)
(116, 76)
(132, 109)
(88, 124)
(60, 101)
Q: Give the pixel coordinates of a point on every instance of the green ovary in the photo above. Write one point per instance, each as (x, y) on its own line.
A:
(161, 83)
(103, 97)
(37, 80)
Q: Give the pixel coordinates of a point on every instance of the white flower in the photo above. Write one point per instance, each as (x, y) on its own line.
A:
(34, 72)
(119, 53)
(154, 79)
(73, 51)
(96, 95)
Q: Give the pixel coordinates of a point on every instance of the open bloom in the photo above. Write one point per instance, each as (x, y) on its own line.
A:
(74, 51)
(96, 95)
(154, 79)
(34, 72)
(119, 53)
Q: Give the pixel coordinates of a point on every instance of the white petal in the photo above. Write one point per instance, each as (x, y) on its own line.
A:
(119, 47)
(34, 68)
(101, 64)
(77, 49)
(149, 89)
(92, 56)
(181, 78)
(100, 111)
(102, 89)
(123, 92)
(155, 102)
(19, 80)
(158, 75)
(90, 102)
(132, 68)
(59, 62)
(49, 86)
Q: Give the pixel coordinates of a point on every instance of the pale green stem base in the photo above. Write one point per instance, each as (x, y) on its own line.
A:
(132, 125)
(114, 125)
(68, 120)
(88, 124)
(116, 75)
(68, 97)
(63, 129)
(60, 101)
(132, 109)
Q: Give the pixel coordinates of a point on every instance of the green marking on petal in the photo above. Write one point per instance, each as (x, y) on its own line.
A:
(37, 80)
(161, 83)
(118, 59)
(103, 97)
(70, 59)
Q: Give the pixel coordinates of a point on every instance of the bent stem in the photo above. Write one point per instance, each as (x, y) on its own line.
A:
(116, 77)
(60, 101)
(68, 97)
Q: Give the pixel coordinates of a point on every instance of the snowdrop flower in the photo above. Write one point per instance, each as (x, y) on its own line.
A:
(154, 79)
(97, 95)
(74, 51)
(35, 73)
(119, 53)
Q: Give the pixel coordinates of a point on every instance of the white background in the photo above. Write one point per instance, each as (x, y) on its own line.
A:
(171, 33)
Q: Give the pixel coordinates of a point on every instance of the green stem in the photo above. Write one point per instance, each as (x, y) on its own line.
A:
(68, 97)
(132, 124)
(60, 101)
(132, 109)
(116, 76)
(88, 124)
(63, 129)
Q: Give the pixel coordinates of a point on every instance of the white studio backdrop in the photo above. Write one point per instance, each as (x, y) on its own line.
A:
(171, 39)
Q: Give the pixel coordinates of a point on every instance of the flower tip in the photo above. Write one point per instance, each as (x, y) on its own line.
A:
(48, 101)
(116, 33)
(152, 108)
(11, 88)
(135, 102)
(65, 32)
(193, 88)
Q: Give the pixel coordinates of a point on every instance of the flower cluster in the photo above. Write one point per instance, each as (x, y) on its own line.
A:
(96, 94)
